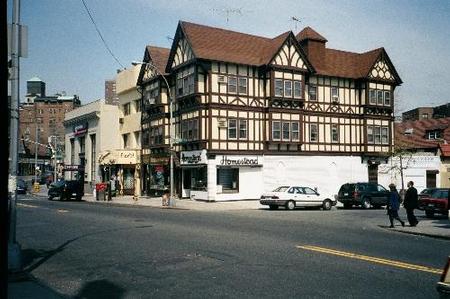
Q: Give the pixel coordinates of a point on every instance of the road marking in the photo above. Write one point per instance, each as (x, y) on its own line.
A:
(62, 211)
(26, 205)
(371, 259)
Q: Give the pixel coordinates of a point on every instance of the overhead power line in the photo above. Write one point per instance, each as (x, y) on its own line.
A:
(100, 34)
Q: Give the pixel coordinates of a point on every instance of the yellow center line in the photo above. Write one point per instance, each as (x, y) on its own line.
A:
(371, 259)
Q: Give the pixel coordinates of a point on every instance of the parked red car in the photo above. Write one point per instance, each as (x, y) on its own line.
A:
(434, 202)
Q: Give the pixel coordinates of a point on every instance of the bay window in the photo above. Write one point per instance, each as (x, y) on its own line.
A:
(287, 88)
(286, 131)
(278, 87)
(276, 130)
(297, 89)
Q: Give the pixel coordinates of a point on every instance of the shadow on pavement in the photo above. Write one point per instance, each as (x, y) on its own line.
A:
(101, 289)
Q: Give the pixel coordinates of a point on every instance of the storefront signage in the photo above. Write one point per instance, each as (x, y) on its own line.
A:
(80, 129)
(73, 168)
(240, 161)
(193, 157)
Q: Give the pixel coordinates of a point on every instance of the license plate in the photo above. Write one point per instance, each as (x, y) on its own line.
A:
(345, 194)
(74, 194)
(431, 205)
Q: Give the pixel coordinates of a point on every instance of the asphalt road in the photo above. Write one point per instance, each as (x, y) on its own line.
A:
(89, 250)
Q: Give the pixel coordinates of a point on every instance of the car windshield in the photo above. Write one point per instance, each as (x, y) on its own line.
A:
(427, 191)
(58, 184)
(281, 189)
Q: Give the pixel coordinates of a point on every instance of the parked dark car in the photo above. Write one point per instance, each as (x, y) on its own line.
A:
(65, 190)
(435, 203)
(363, 194)
(45, 178)
(21, 186)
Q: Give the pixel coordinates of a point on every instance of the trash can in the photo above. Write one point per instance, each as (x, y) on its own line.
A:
(100, 191)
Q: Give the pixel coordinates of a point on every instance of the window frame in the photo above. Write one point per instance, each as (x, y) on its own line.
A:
(380, 100)
(316, 139)
(295, 131)
(230, 128)
(372, 96)
(377, 135)
(279, 90)
(283, 131)
(389, 101)
(370, 136)
(312, 88)
(287, 88)
(334, 127)
(334, 93)
(240, 80)
(384, 137)
(278, 131)
(298, 84)
(235, 85)
(245, 129)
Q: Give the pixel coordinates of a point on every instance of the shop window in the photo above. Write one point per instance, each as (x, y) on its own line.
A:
(195, 178)
(228, 178)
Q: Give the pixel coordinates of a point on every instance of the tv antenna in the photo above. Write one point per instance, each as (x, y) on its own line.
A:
(229, 11)
(296, 21)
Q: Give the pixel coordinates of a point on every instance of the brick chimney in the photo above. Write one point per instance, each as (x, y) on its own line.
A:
(312, 43)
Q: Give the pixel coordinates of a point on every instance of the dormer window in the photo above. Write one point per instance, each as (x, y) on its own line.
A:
(434, 134)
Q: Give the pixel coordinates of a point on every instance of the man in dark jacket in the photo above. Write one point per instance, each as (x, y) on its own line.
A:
(410, 203)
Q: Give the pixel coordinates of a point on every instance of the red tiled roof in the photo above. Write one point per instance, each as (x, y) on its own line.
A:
(309, 33)
(445, 150)
(417, 137)
(225, 45)
(159, 57)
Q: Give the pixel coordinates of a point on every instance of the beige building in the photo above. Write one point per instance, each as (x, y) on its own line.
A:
(124, 160)
(90, 130)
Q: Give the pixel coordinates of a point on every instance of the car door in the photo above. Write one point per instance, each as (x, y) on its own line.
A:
(382, 195)
(312, 197)
(299, 197)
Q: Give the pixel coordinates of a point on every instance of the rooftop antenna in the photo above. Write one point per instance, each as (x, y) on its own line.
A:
(228, 11)
(296, 21)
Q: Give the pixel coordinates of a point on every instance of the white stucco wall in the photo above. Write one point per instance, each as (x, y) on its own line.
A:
(327, 173)
(415, 169)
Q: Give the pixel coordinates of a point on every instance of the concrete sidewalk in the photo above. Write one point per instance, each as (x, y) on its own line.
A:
(438, 227)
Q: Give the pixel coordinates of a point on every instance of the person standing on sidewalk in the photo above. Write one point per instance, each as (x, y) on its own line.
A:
(410, 203)
(393, 206)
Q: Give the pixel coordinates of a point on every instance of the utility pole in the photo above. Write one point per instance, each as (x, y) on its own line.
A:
(56, 153)
(36, 153)
(14, 251)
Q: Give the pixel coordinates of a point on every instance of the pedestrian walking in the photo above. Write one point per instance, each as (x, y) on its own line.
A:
(393, 206)
(410, 203)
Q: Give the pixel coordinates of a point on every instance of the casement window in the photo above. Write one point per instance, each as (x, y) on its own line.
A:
(276, 130)
(137, 105)
(242, 85)
(189, 129)
(387, 98)
(242, 129)
(380, 97)
(334, 133)
(384, 135)
(287, 88)
(370, 134)
(372, 97)
(232, 84)
(126, 109)
(295, 133)
(185, 83)
(232, 128)
(334, 93)
(434, 134)
(228, 178)
(312, 91)
(237, 124)
(297, 89)
(278, 87)
(286, 131)
(377, 134)
(313, 132)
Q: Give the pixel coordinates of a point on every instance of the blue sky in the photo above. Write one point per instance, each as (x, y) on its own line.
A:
(66, 52)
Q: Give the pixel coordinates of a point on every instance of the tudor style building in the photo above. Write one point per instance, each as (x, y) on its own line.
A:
(253, 112)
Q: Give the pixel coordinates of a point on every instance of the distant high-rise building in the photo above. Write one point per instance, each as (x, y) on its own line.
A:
(111, 97)
(35, 88)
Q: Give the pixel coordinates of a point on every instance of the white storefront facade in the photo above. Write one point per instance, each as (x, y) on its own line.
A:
(241, 177)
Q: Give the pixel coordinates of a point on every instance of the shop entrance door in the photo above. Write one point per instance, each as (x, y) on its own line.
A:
(187, 179)
(128, 181)
(373, 173)
(431, 178)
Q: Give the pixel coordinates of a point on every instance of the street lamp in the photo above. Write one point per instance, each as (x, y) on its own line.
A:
(171, 124)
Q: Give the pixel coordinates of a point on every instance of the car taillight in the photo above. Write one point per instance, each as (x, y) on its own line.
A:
(275, 197)
(355, 194)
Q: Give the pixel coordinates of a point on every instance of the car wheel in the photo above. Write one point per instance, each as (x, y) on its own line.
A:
(61, 197)
(273, 207)
(429, 214)
(326, 206)
(347, 205)
(290, 205)
(50, 198)
(365, 203)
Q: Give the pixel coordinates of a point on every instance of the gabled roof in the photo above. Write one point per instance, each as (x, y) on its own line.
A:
(413, 134)
(159, 57)
(218, 44)
(445, 150)
(310, 34)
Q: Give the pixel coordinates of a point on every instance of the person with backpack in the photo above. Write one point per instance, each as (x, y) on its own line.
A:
(393, 206)
(410, 203)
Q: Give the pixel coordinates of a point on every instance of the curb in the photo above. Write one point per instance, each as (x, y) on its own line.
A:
(132, 205)
(417, 233)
